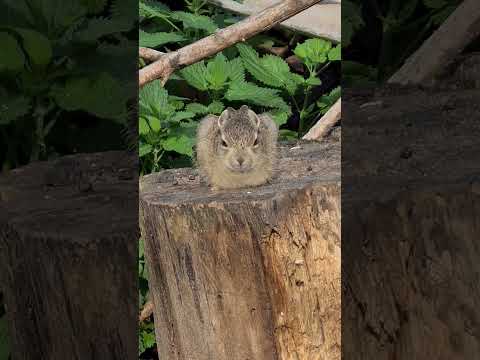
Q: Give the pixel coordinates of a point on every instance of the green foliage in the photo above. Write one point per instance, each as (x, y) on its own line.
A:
(49, 68)
(351, 21)
(326, 101)
(194, 21)
(153, 40)
(167, 125)
(402, 27)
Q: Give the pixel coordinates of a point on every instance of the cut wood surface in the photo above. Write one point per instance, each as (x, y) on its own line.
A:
(443, 46)
(221, 39)
(251, 273)
(68, 257)
(410, 210)
(321, 20)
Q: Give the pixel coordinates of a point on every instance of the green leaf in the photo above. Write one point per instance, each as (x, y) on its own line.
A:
(11, 55)
(216, 107)
(280, 117)
(313, 51)
(197, 108)
(236, 72)
(13, 107)
(313, 81)
(182, 115)
(293, 82)
(153, 98)
(144, 149)
(181, 139)
(98, 27)
(152, 9)
(270, 69)
(193, 21)
(288, 134)
(256, 68)
(256, 95)
(335, 53)
(154, 123)
(217, 72)
(196, 75)
(143, 127)
(153, 40)
(94, 6)
(351, 21)
(36, 45)
(326, 101)
(102, 96)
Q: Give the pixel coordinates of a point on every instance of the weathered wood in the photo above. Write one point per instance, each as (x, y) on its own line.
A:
(321, 20)
(221, 39)
(410, 210)
(68, 257)
(247, 274)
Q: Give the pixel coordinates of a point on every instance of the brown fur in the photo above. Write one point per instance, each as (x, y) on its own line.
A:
(242, 162)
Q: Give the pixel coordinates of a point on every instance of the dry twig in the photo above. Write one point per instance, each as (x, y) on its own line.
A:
(326, 122)
(146, 311)
(221, 39)
(149, 54)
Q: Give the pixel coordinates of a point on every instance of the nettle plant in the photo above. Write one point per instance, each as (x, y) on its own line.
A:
(161, 26)
(168, 123)
(49, 65)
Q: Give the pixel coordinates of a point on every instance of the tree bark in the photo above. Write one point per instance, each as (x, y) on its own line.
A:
(221, 39)
(149, 54)
(68, 257)
(410, 213)
(247, 274)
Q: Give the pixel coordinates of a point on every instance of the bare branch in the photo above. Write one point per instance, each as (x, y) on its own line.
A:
(149, 54)
(321, 20)
(146, 311)
(222, 39)
(461, 27)
(326, 122)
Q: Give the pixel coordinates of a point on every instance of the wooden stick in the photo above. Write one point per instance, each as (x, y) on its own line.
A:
(149, 54)
(326, 122)
(147, 310)
(461, 27)
(321, 20)
(221, 39)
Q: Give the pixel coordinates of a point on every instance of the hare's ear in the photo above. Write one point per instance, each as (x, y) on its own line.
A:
(254, 117)
(223, 117)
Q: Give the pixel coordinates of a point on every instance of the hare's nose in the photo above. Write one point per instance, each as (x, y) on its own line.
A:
(240, 161)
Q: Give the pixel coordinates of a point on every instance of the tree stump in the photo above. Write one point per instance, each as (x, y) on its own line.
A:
(247, 274)
(68, 257)
(410, 207)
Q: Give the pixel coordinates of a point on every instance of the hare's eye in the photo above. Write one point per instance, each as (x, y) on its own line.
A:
(224, 144)
(256, 142)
